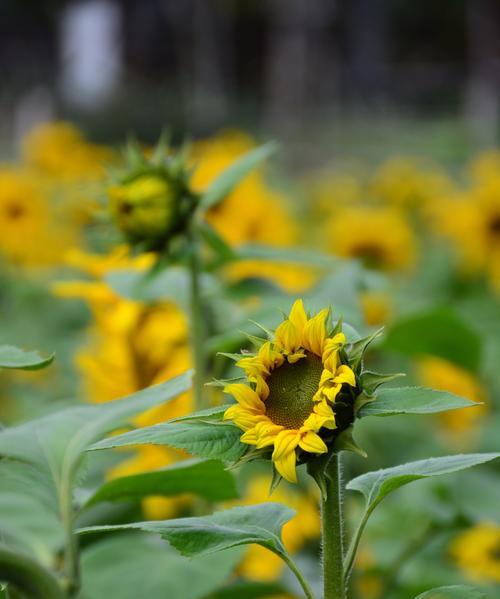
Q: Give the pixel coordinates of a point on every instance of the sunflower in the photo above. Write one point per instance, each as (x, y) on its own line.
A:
(476, 551)
(380, 237)
(293, 382)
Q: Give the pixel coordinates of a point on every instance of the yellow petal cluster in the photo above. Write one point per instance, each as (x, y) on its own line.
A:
(476, 552)
(296, 338)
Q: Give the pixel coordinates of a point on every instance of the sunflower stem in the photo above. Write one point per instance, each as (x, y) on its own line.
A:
(332, 532)
(197, 320)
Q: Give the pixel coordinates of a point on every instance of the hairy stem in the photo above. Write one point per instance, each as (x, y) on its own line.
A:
(332, 532)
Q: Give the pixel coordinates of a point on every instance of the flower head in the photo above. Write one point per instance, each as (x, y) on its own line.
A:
(293, 382)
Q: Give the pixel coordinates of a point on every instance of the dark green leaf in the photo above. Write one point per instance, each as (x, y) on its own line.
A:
(203, 439)
(371, 381)
(205, 478)
(439, 332)
(452, 592)
(412, 400)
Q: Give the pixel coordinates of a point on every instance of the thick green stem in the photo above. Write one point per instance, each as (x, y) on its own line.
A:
(332, 532)
(197, 320)
(27, 575)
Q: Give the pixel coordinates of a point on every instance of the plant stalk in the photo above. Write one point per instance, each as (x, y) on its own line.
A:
(332, 533)
(197, 319)
(298, 575)
(71, 551)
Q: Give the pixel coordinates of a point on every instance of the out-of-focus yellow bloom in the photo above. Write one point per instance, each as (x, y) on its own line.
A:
(253, 213)
(295, 379)
(484, 166)
(376, 306)
(59, 150)
(406, 182)
(131, 345)
(259, 563)
(32, 231)
(471, 220)
(477, 552)
(331, 190)
(380, 237)
(368, 584)
(444, 375)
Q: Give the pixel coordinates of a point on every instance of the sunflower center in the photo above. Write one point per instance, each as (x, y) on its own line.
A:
(291, 391)
(370, 254)
(494, 226)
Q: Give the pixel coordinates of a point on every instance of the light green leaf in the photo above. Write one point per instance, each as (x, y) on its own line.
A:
(205, 478)
(260, 524)
(208, 414)
(212, 238)
(55, 444)
(452, 592)
(135, 565)
(15, 358)
(412, 400)
(232, 176)
(377, 485)
(439, 332)
(203, 439)
(286, 256)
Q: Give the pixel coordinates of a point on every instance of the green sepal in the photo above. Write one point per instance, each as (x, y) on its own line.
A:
(221, 383)
(356, 350)
(275, 481)
(316, 468)
(235, 357)
(370, 381)
(361, 400)
(161, 148)
(133, 154)
(345, 442)
(257, 341)
(338, 326)
(267, 331)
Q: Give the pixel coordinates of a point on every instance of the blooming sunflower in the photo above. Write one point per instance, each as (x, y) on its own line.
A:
(477, 552)
(294, 381)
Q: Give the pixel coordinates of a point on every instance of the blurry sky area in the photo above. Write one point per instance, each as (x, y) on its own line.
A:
(297, 69)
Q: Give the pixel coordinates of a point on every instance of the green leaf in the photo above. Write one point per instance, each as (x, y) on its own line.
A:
(439, 332)
(260, 524)
(286, 256)
(208, 414)
(203, 439)
(452, 592)
(245, 589)
(371, 381)
(205, 478)
(135, 565)
(232, 176)
(377, 485)
(222, 249)
(55, 444)
(412, 400)
(13, 357)
(356, 350)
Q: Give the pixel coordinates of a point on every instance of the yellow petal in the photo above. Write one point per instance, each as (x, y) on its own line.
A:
(312, 443)
(250, 437)
(314, 334)
(345, 375)
(244, 419)
(270, 357)
(298, 316)
(245, 396)
(296, 356)
(267, 433)
(284, 457)
(288, 337)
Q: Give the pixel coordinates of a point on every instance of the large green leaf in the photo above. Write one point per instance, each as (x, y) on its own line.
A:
(246, 589)
(55, 444)
(412, 400)
(205, 478)
(439, 332)
(203, 439)
(452, 592)
(133, 565)
(15, 358)
(260, 524)
(377, 485)
(232, 176)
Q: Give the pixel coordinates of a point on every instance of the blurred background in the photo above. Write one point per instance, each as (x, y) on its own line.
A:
(343, 73)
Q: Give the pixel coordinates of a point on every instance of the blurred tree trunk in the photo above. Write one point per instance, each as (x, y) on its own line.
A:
(482, 88)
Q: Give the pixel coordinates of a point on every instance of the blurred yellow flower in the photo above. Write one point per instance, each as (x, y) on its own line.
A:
(380, 237)
(59, 150)
(476, 552)
(131, 345)
(259, 563)
(32, 231)
(485, 165)
(407, 182)
(253, 213)
(444, 375)
(376, 307)
(329, 190)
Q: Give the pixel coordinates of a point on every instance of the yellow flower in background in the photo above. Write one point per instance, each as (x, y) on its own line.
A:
(330, 190)
(484, 166)
(441, 374)
(379, 236)
(32, 231)
(376, 307)
(258, 563)
(408, 182)
(131, 345)
(254, 213)
(293, 382)
(476, 552)
(471, 220)
(59, 150)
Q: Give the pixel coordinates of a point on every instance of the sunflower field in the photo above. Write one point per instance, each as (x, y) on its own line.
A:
(215, 368)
